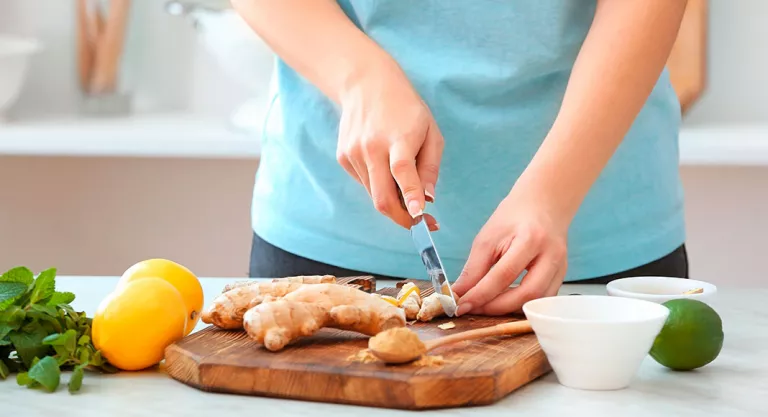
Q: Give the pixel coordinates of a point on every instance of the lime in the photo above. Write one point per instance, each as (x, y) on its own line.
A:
(691, 337)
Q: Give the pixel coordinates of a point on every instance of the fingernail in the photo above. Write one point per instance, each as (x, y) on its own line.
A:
(437, 226)
(414, 209)
(463, 309)
(429, 193)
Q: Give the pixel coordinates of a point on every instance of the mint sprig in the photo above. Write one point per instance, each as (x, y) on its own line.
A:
(41, 334)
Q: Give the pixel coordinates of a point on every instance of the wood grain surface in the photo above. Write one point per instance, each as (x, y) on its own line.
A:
(319, 368)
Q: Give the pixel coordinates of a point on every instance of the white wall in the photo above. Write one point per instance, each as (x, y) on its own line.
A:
(163, 68)
(737, 90)
(97, 216)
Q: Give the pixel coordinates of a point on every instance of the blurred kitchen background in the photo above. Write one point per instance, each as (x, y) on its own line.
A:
(163, 164)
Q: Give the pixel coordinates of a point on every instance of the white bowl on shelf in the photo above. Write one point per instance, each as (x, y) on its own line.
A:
(15, 53)
(595, 342)
(660, 289)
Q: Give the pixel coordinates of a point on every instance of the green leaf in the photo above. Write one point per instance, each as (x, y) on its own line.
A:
(49, 310)
(68, 340)
(5, 342)
(108, 368)
(5, 329)
(84, 340)
(29, 346)
(10, 292)
(44, 286)
(23, 379)
(4, 371)
(76, 380)
(19, 274)
(48, 323)
(96, 359)
(69, 323)
(61, 298)
(47, 373)
(13, 317)
(84, 355)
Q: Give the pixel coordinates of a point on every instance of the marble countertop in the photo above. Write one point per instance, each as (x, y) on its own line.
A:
(735, 384)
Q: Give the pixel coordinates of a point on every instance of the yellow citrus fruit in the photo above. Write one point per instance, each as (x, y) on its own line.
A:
(135, 323)
(177, 275)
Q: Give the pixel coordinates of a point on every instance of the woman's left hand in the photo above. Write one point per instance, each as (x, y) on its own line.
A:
(522, 234)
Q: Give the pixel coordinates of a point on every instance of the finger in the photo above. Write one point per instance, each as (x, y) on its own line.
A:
(432, 223)
(554, 287)
(342, 159)
(501, 275)
(480, 260)
(384, 190)
(428, 161)
(357, 161)
(402, 163)
(539, 282)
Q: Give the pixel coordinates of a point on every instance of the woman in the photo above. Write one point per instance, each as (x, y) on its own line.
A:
(545, 131)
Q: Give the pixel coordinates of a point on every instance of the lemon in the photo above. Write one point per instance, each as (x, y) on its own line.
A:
(692, 336)
(135, 323)
(177, 275)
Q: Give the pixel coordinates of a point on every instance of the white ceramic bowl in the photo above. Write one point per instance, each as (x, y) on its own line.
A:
(14, 61)
(660, 289)
(595, 342)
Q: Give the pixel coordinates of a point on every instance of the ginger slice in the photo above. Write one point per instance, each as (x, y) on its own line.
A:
(304, 311)
(410, 299)
(227, 310)
(447, 326)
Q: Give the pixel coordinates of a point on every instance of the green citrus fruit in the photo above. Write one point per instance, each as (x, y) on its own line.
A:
(691, 337)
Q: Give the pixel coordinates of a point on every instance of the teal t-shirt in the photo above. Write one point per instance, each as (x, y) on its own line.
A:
(494, 74)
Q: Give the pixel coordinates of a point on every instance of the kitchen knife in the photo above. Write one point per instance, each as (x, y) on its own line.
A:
(425, 246)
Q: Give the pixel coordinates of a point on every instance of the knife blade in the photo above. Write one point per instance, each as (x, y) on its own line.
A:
(425, 246)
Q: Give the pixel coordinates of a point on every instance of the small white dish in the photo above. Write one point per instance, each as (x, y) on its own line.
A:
(660, 289)
(595, 342)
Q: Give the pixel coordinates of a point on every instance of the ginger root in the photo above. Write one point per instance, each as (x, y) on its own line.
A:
(411, 304)
(301, 279)
(227, 310)
(430, 308)
(306, 310)
(309, 279)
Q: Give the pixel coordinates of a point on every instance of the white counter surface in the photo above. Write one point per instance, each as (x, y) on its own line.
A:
(189, 136)
(735, 384)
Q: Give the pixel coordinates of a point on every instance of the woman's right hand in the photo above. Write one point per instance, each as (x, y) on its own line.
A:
(389, 139)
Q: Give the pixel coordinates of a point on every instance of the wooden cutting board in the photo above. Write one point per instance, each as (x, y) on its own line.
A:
(319, 368)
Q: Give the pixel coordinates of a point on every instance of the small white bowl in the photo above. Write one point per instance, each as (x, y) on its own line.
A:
(660, 289)
(595, 342)
(15, 53)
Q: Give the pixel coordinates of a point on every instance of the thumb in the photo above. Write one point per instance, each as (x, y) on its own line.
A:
(478, 264)
(428, 160)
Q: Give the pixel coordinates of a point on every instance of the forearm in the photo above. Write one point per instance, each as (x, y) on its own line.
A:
(618, 66)
(316, 39)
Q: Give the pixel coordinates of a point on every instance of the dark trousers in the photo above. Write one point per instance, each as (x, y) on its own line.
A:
(268, 261)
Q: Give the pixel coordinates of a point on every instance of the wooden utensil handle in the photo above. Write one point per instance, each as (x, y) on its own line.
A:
(515, 327)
